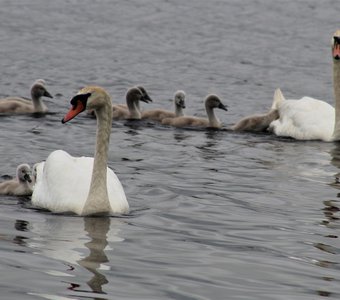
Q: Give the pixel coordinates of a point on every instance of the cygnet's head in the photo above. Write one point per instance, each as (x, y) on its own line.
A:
(145, 96)
(213, 101)
(38, 89)
(136, 94)
(42, 81)
(336, 45)
(179, 98)
(24, 173)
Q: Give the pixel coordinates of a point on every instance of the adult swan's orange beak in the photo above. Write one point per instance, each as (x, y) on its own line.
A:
(78, 103)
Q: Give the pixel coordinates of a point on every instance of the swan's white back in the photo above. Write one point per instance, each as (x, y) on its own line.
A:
(63, 183)
(305, 119)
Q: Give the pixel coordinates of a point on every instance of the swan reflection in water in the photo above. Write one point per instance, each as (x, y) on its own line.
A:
(77, 242)
(332, 206)
(97, 229)
(329, 244)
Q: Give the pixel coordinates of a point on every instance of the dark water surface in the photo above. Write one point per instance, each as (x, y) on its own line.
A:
(214, 214)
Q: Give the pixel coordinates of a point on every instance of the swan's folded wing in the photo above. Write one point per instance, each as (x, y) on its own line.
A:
(305, 119)
(64, 183)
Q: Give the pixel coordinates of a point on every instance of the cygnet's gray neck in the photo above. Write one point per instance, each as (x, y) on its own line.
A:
(38, 104)
(178, 110)
(133, 106)
(213, 119)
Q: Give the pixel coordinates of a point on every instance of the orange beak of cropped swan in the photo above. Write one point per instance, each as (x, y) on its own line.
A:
(336, 48)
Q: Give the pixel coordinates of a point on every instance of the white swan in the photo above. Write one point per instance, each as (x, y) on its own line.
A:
(160, 114)
(21, 185)
(312, 119)
(260, 122)
(82, 185)
(22, 105)
(212, 101)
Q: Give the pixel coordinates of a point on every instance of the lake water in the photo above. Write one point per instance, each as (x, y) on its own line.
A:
(214, 214)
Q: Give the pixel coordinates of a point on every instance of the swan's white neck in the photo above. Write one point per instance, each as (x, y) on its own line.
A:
(336, 84)
(38, 104)
(134, 109)
(213, 120)
(98, 200)
(178, 111)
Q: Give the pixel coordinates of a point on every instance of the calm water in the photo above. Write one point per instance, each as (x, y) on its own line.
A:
(214, 214)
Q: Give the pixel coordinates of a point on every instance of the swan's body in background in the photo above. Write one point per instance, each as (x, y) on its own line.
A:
(309, 118)
(83, 185)
(305, 119)
(211, 102)
(21, 185)
(22, 105)
(160, 114)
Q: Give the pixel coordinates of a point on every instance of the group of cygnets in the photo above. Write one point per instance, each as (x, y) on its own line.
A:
(85, 186)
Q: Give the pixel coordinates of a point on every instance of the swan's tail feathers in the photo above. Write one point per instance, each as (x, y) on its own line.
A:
(278, 99)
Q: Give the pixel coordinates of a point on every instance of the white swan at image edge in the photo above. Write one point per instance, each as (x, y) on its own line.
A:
(309, 118)
(83, 185)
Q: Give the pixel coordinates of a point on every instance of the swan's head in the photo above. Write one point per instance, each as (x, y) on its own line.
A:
(145, 96)
(213, 101)
(38, 89)
(179, 99)
(24, 173)
(336, 45)
(90, 97)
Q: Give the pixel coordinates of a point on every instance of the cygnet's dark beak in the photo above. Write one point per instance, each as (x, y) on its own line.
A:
(222, 106)
(47, 94)
(146, 98)
(28, 178)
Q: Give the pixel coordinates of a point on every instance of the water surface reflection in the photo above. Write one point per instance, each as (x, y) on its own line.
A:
(97, 229)
(80, 244)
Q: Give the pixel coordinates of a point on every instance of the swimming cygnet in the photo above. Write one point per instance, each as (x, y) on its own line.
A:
(160, 114)
(132, 108)
(211, 102)
(260, 122)
(22, 105)
(21, 185)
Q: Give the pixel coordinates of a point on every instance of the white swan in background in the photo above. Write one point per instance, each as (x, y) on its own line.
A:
(211, 102)
(82, 185)
(22, 105)
(160, 114)
(21, 185)
(132, 108)
(260, 122)
(312, 119)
